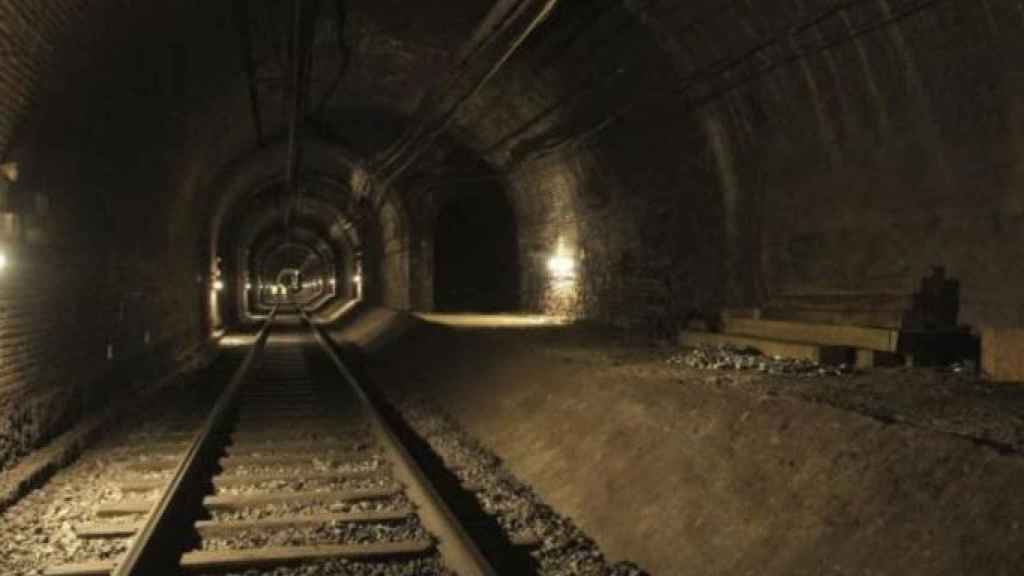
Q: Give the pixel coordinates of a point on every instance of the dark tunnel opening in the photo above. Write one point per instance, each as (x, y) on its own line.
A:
(476, 255)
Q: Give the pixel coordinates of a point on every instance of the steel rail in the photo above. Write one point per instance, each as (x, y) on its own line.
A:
(158, 547)
(459, 552)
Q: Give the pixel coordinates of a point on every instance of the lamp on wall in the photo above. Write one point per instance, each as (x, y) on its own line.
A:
(9, 171)
(8, 218)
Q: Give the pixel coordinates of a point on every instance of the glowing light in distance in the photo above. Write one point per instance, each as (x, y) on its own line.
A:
(248, 285)
(3, 260)
(218, 285)
(358, 279)
(562, 267)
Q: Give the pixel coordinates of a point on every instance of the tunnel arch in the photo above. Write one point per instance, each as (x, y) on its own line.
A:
(680, 169)
(332, 183)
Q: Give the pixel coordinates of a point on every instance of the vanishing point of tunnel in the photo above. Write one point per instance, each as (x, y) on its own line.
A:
(555, 287)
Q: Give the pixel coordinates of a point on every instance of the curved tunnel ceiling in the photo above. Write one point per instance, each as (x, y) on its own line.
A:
(406, 101)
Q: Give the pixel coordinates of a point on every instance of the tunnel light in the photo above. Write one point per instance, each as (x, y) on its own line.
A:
(562, 267)
(3, 260)
(218, 285)
(9, 170)
(357, 279)
(248, 285)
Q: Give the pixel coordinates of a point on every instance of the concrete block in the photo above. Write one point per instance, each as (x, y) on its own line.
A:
(1002, 354)
(865, 358)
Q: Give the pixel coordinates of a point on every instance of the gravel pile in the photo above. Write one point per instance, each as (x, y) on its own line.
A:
(732, 358)
(330, 533)
(389, 504)
(430, 566)
(564, 551)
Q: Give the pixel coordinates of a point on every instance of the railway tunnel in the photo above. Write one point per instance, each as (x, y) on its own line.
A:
(644, 286)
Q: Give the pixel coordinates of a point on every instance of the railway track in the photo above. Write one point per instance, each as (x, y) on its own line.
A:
(293, 464)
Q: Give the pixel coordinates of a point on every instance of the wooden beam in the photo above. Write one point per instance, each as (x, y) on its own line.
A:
(220, 528)
(255, 558)
(879, 339)
(335, 456)
(209, 528)
(225, 480)
(241, 502)
(95, 568)
(209, 560)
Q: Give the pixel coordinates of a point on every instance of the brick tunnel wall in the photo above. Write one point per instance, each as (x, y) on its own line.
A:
(639, 207)
(858, 167)
(870, 163)
(102, 293)
(32, 33)
(39, 394)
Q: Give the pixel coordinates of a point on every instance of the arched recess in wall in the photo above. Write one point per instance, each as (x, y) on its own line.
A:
(476, 253)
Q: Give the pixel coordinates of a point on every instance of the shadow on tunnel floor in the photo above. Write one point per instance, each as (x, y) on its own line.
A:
(489, 536)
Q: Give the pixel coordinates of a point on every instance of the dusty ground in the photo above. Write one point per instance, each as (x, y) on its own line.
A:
(694, 472)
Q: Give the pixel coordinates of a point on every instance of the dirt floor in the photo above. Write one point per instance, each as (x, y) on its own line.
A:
(685, 471)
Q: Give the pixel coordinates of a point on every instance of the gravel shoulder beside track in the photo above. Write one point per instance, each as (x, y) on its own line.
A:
(39, 530)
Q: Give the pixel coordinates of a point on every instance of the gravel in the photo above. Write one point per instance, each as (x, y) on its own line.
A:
(564, 550)
(329, 533)
(429, 566)
(39, 530)
(732, 358)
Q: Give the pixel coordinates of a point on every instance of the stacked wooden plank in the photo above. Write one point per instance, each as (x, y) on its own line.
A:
(833, 327)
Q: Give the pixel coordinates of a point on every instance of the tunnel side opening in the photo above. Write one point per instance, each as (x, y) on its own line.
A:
(476, 254)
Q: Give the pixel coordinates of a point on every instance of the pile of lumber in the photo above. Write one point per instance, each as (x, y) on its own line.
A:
(846, 327)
